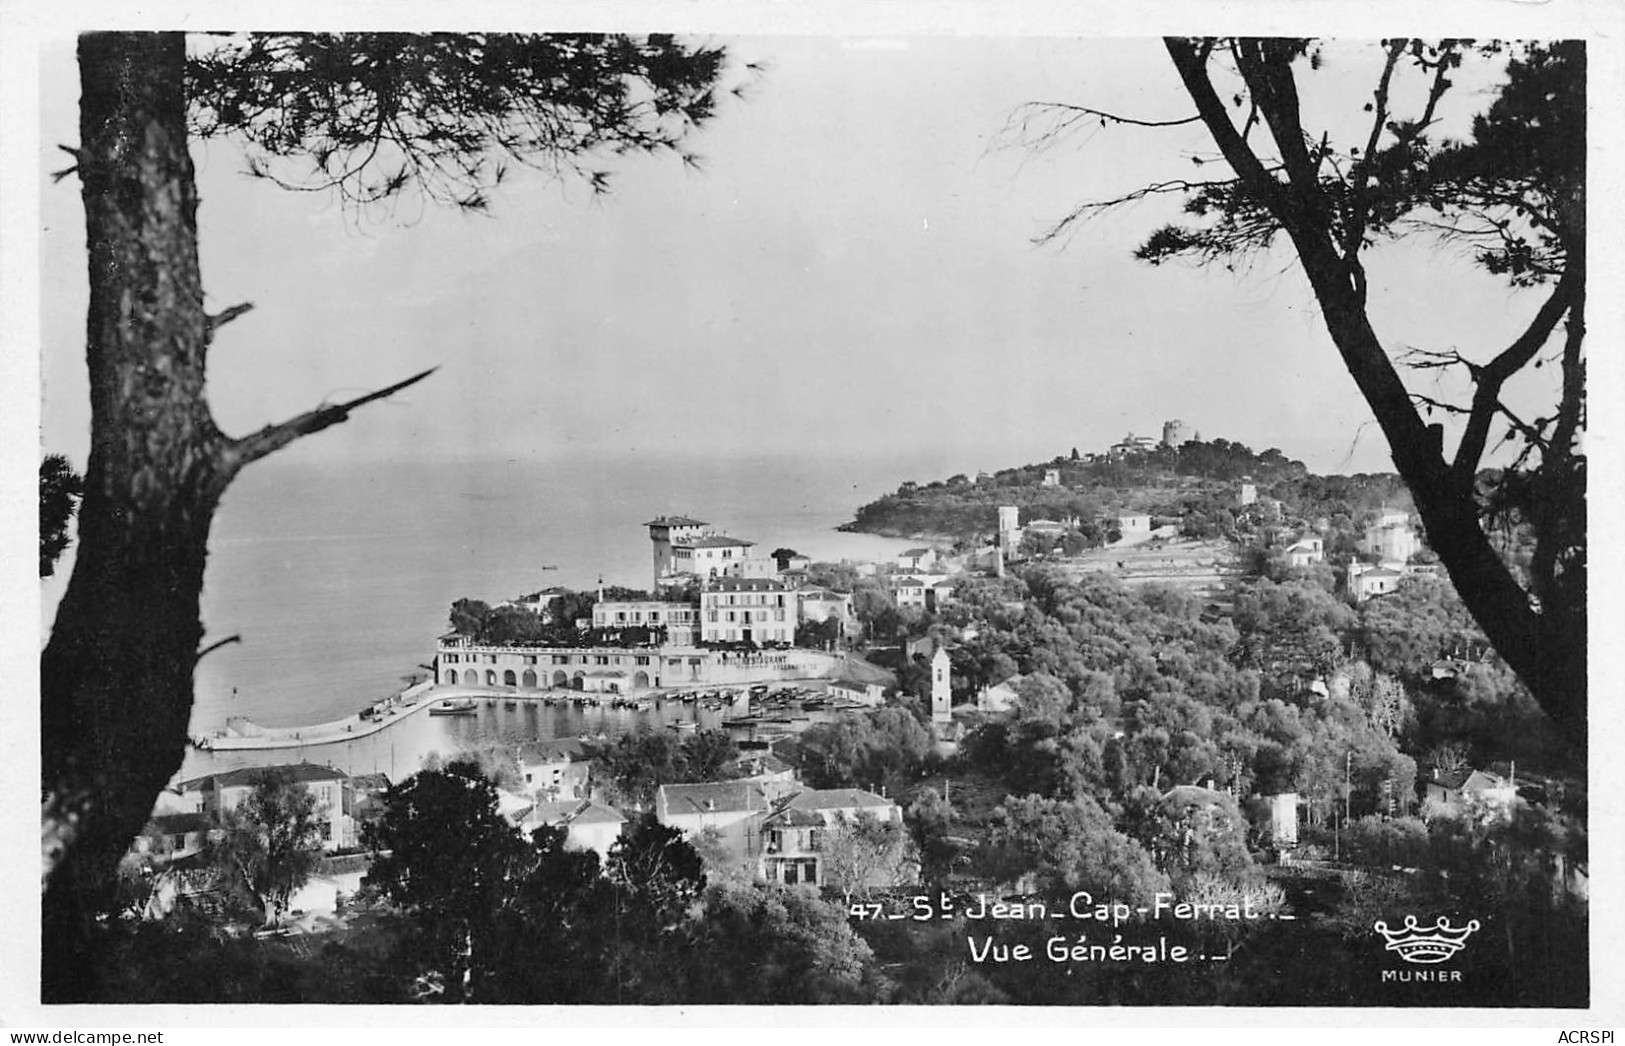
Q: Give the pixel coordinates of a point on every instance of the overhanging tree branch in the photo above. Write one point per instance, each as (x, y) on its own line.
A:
(1490, 377)
(214, 322)
(274, 437)
(1075, 112)
(1190, 60)
(1359, 205)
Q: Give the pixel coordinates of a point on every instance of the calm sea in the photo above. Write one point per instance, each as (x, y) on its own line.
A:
(338, 578)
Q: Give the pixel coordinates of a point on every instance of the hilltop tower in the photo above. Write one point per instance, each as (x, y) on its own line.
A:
(1173, 433)
(663, 531)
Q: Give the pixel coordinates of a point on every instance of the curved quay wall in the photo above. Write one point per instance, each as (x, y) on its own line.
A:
(402, 736)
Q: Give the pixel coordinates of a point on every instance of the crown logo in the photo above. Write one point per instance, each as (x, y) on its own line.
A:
(1431, 944)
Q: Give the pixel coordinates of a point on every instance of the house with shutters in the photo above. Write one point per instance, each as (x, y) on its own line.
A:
(748, 609)
(796, 834)
(768, 823)
(1366, 580)
(218, 793)
(554, 770)
(729, 812)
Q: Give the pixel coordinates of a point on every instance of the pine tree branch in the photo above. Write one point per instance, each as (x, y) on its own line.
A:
(1360, 207)
(1190, 60)
(57, 176)
(1075, 112)
(274, 437)
(1490, 377)
(225, 316)
(212, 647)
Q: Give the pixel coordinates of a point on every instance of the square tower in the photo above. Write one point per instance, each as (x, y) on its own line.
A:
(663, 531)
(941, 692)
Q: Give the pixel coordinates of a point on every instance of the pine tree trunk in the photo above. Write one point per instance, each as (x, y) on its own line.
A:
(116, 677)
(1545, 648)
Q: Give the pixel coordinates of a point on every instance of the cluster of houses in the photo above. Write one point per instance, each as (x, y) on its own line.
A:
(189, 814)
(1392, 542)
(1387, 548)
(765, 822)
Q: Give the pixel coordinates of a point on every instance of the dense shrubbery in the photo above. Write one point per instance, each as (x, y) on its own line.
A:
(636, 764)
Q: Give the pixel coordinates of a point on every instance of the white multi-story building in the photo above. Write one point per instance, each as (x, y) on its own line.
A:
(684, 547)
(747, 609)
(795, 836)
(926, 592)
(1391, 537)
(666, 533)
(680, 620)
(462, 662)
(542, 603)
(217, 793)
(1366, 580)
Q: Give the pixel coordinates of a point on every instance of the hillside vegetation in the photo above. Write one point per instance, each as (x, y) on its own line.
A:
(1195, 484)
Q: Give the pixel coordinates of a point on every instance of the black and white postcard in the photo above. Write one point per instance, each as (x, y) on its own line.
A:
(994, 515)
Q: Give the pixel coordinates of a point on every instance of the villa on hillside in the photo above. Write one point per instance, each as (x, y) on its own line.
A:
(770, 824)
(796, 833)
(917, 559)
(1132, 444)
(1307, 550)
(1449, 790)
(1391, 537)
(1366, 580)
(926, 593)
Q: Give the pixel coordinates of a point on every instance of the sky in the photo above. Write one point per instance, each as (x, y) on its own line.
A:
(851, 273)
